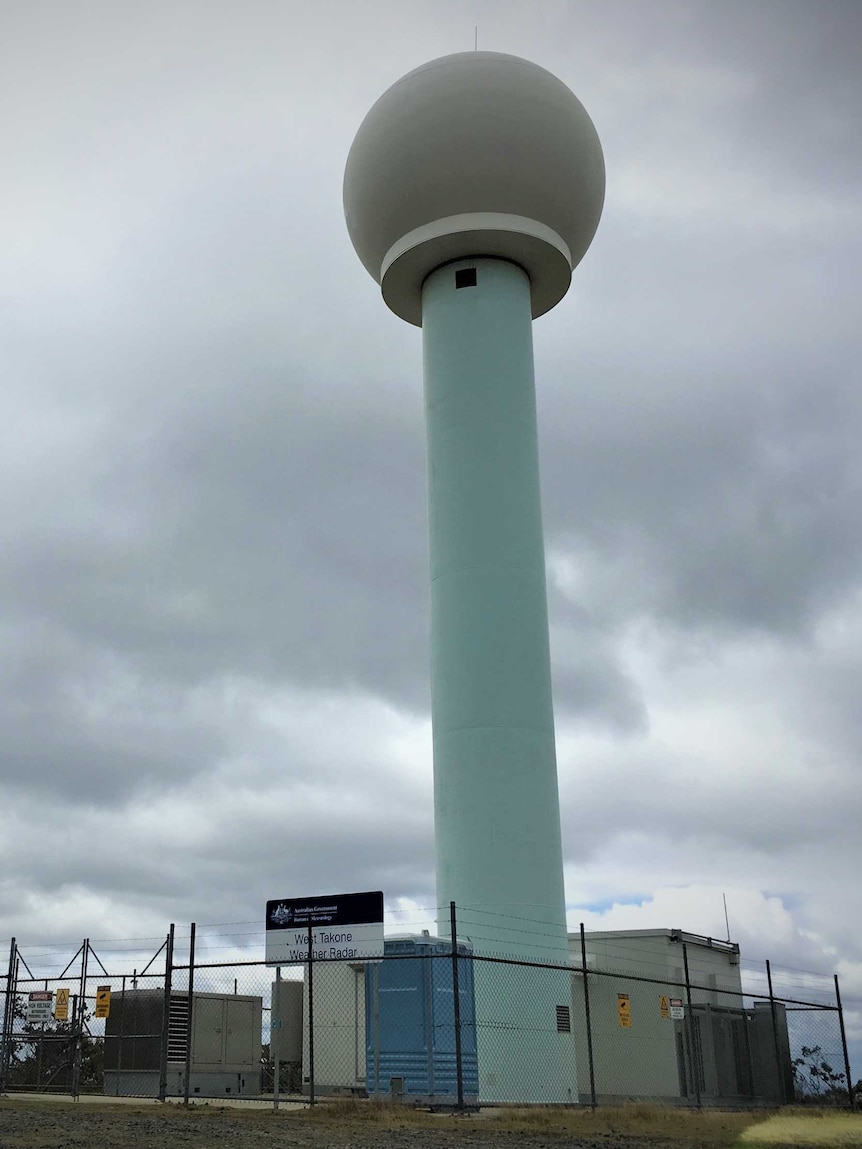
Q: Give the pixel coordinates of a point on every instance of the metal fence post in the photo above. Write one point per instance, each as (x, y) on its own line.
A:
(310, 1014)
(456, 1002)
(72, 1038)
(79, 1027)
(191, 1000)
(8, 1019)
(587, 1018)
(122, 1026)
(163, 1060)
(40, 1050)
(695, 1069)
(276, 1061)
(778, 1075)
(375, 1004)
(848, 1076)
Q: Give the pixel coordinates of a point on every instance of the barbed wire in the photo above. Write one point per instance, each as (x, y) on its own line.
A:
(473, 923)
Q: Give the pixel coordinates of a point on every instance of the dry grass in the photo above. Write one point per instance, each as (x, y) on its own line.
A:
(639, 1123)
(652, 1123)
(806, 1128)
(354, 1111)
(656, 1124)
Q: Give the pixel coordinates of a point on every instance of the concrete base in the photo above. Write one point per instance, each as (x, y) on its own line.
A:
(143, 1083)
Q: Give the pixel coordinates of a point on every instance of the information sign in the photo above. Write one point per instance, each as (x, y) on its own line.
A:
(624, 1011)
(344, 927)
(103, 1001)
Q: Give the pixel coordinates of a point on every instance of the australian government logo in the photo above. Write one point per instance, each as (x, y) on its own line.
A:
(282, 915)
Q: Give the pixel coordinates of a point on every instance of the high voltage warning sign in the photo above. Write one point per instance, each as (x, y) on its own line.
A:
(39, 1005)
(624, 1011)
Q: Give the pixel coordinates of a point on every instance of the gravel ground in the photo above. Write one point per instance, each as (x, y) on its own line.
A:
(63, 1126)
(40, 1123)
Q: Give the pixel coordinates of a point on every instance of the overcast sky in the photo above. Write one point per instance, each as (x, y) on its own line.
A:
(214, 655)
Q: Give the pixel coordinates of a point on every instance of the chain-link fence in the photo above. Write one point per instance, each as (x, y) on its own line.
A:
(54, 1026)
(658, 1015)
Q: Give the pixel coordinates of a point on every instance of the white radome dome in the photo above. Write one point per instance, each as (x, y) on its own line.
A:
(471, 155)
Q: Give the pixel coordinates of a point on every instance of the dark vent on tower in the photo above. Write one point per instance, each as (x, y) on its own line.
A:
(564, 1020)
(465, 277)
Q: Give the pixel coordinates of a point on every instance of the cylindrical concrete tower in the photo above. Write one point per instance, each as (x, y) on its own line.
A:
(473, 188)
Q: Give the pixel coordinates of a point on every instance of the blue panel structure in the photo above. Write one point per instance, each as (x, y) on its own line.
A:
(410, 1023)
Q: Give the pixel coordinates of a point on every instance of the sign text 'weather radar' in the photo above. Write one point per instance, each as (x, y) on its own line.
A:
(342, 927)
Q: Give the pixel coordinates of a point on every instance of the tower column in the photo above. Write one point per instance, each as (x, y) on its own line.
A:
(497, 822)
(496, 807)
(473, 188)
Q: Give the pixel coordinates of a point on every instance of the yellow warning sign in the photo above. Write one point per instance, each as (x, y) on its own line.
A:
(103, 1001)
(624, 1011)
(61, 1004)
(664, 1005)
